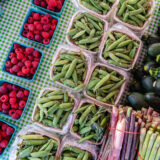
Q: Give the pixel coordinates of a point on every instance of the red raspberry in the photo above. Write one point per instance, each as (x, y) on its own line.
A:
(44, 20)
(49, 17)
(7, 69)
(24, 33)
(31, 27)
(16, 45)
(43, 4)
(11, 71)
(12, 100)
(5, 111)
(14, 106)
(14, 60)
(19, 112)
(1, 107)
(9, 86)
(0, 138)
(53, 27)
(8, 138)
(16, 68)
(28, 63)
(51, 33)
(36, 32)
(12, 111)
(20, 73)
(46, 27)
(3, 89)
(38, 38)
(25, 69)
(12, 94)
(3, 134)
(37, 59)
(4, 143)
(20, 56)
(29, 50)
(22, 104)
(5, 84)
(46, 41)
(30, 35)
(36, 54)
(18, 50)
(36, 16)
(15, 87)
(4, 98)
(11, 55)
(52, 3)
(59, 4)
(45, 35)
(30, 57)
(26, 92)
(30, 20)
(8, 64)
(36, 23)
(24, 59)
(26, 26)
(20, 94)
(15, 116)
(5, 106)
(9, 131)
(54, 21)
(37, 2)
(4, 126)
(39, 27)
(35, 64)
(32, 71)
(20, 64)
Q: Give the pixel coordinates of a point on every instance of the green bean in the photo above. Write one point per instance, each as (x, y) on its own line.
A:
(86, 138)
(122, 9)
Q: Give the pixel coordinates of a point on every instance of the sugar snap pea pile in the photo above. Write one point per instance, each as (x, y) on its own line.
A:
(120, 49)
(73, 153)
(87, 31)
(134, 12)
(54, 108)
(37, 147)
(91, 122)
(99, 6)
(70, 69)
(105, 84)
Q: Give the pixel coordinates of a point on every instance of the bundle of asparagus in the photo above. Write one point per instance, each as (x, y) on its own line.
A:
(135, 134)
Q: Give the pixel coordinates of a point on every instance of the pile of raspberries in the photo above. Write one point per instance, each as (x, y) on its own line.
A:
(12, 99)
(39, 27)
(6, 132)
(53, 5)
(22, 61)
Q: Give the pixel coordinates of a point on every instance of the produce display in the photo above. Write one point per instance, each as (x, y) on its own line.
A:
(6, 133)
(86, 31)
(13, 100)
(99, 6)
(73, 153)
(120, 49)
(105, 84)
(145, 89)
(23, 61)
(91, 122)
(39, 27)
(70, 69)
(134, 12)
(53, 108)
(135, 134)
(35, 146)
(52, 5)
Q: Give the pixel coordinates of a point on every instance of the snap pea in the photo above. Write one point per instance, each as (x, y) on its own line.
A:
(72, 74)
(90, 32)
(121, 51)
(56, 112)
(134, 12)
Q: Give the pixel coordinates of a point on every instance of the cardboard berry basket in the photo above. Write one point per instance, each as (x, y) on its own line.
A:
(67, 124)
(15, 129)
(40, 12)
(6, 115)
(7, 58)
(122, 88)
(49, 11)
(75, 115)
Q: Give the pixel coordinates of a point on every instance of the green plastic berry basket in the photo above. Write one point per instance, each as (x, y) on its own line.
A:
(49, 11)
(15, 129)
(23, 78)
(40, 12)
(7, 116)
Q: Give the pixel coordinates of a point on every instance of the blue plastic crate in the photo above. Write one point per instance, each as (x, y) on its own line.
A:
(0, 12)
(7, 116)
(15, 129)
(40, 12)
(49, 11)
(11, 49)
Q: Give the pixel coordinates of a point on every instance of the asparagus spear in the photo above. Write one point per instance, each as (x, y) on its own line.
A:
(129, 111)
(155, 148)
(158, 154)
(130, 137)
(150, 145)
